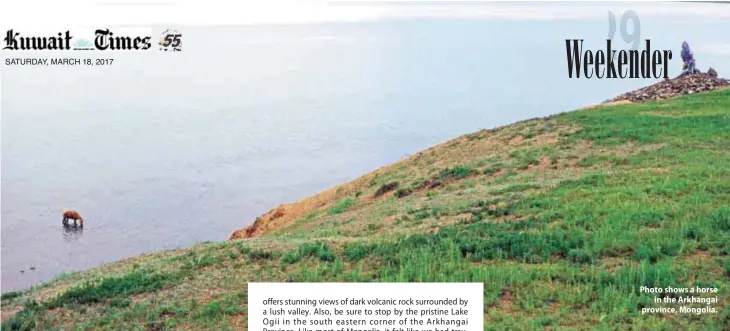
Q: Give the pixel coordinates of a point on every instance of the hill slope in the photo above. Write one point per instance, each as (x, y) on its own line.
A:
(562, 218)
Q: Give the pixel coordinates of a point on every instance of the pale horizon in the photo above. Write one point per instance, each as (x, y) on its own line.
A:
(128, 13)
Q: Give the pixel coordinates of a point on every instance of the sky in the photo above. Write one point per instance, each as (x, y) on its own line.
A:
(80, 13)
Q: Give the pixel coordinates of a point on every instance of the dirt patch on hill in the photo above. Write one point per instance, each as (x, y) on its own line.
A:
(447, 155)
(286, 214)
(605, 104)
(8, 312)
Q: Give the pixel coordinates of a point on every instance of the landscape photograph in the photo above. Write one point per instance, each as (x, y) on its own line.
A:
(572, 157)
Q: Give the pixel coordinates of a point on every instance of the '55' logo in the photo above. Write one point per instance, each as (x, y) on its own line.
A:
(171, 40)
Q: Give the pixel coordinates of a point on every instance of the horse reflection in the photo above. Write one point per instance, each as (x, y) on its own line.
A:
(72, 232)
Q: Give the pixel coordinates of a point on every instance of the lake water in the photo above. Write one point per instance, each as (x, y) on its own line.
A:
(162, 150)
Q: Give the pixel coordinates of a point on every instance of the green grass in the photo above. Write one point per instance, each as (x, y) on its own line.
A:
(629, 196)
(217, 309)
(456, 172)
(525, 159)
(132, 283)
(341, 206)
(11, 295)
(317, 250)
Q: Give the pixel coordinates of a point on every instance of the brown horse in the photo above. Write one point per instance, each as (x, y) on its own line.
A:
(72, 215)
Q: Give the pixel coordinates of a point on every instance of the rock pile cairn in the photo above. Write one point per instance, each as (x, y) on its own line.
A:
(669, 88)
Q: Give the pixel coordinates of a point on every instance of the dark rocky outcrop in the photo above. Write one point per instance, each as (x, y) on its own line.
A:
(385, 189)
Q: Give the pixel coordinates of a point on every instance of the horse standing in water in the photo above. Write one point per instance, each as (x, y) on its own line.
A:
(72, 215)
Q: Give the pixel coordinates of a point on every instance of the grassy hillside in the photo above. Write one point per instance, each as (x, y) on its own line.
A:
(562, 218)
